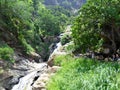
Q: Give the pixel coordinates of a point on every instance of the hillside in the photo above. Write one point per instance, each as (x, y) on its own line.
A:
(66, 4)
(76, 42)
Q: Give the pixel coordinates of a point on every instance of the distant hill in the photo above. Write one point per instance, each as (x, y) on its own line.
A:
(67, 4)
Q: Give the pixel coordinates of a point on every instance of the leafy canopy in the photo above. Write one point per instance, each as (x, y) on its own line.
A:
(98, 22)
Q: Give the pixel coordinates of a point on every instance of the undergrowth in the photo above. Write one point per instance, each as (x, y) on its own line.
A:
(85, 74)
(6, 53)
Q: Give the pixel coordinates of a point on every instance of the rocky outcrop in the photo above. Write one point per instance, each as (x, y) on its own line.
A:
(36, 57)
(41, 82)
(20, 68)
(59, 48)
(28, 80)
(58, 51)
(36, 79)
(29, 75)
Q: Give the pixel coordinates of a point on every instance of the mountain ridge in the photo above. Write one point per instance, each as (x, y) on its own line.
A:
(67, 4)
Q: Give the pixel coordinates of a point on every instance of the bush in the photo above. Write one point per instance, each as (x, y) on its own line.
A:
(65, 39)
(6, 53)
(70, 47)
(97, 24)
(86, 74)
(28, 48)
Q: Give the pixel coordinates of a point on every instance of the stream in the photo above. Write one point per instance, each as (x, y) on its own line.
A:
(26, 82)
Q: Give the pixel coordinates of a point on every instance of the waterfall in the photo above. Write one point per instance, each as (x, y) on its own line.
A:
(26, 81)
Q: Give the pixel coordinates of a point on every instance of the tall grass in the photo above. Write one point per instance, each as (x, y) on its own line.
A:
(86, 74)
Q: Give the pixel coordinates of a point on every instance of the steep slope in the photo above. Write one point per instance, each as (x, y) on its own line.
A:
(67, 4)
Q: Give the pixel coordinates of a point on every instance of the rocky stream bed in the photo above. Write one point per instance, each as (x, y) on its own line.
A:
(29, 75)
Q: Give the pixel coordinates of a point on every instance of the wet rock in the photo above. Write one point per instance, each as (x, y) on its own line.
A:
(36, 57)
(53, 69)
(41, 82)
(17, 56)
(1, 88)
(39, 86)
(14, 81)
(50, 62)
(28, 80)
(21, 68)
(58, 51)
(6, 83)
(2, 64)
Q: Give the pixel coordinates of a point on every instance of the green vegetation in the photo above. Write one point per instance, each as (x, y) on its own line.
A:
(66, 10)
(6, 53)
(70, 47)
(67, 4)
(97, 25)
(30, 26)
(27, 25)
(62, 14)
(85, 74)
(65, 39)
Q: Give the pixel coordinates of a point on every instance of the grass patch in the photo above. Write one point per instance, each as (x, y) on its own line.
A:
(85, 74)
(61, 60)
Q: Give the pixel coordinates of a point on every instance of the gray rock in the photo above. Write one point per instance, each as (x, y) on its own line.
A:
(1, 88)
(13, 81)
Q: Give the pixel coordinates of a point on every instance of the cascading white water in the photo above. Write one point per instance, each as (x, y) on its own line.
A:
(26, 81)
(58, 50)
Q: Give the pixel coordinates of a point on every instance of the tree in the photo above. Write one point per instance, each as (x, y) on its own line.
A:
(98, 25)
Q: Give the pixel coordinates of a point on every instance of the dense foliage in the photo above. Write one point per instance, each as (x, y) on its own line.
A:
(67, 4)
(85, 74)
(6, 53)
(67, 7)
(98, 24)
(27, 25)
(65, 39)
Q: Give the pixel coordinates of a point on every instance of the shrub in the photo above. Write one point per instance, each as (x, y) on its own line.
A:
(6, 53)
(70, 47)
(65, 39)
(28, 48)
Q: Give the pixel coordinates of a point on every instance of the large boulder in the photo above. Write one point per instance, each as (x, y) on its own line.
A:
(35, 56)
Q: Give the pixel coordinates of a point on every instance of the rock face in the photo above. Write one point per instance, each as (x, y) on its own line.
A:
(59, 48)
(12, 75)
(36, 57)
(40, 83)
(57, 51)
(26, 82)
(1, 88)
(28, 75)
(36, 79)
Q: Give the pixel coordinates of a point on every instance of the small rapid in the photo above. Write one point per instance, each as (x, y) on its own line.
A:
(25, 83)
